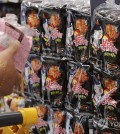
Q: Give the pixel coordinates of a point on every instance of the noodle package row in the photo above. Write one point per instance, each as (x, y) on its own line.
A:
(60, 121)
(56, 81)
(64, 30)
(54, 78)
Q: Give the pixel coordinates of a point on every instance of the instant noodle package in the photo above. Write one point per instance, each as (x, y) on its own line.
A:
(54, 81)
(79, 86)
(30, 18)
(78, 32)
(32, 75)
(53, 30)
(105, 38)
(42, 126)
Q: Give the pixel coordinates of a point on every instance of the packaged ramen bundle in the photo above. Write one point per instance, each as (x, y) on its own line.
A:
(42, 126)
(106, 94)
(54, 81)
(110, 103)
(59, 121)
(53, 18)
(80, 86)
(29, 13)
(78, 31)
(98, 90)
(79, 124)
(32, 74)
(29, 17)
(105, 40)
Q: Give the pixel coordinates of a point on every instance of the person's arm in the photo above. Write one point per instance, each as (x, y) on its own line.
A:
(9, 77)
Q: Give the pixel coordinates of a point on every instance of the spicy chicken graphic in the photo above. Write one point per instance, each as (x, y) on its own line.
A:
(78, 80)
(109, 85)
(108, 102)
(59, 121)
(42, 110)
(53, 78)
(54, 21)
(33, 20)
(108, 40)
(80, 40)
(78, 129)
(81, 27)
(111, 32)
(80, 77)
(80, 32)
(59, 117)
(42, 124)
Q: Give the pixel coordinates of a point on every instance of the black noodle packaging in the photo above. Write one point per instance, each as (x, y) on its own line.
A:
(106, 94)
(105, 45)
(53, 20)
(110, 102)
(29, 17)
(78, 33)
(54, 80)
(80, 86)
(42, 126)
(32, 74)
(98, 90)
(78, 124)
(104, 86)
(59, 121)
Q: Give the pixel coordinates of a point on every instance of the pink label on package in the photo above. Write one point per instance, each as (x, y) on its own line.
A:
(26, 43)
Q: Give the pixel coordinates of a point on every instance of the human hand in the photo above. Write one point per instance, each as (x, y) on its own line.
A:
(9, 77)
